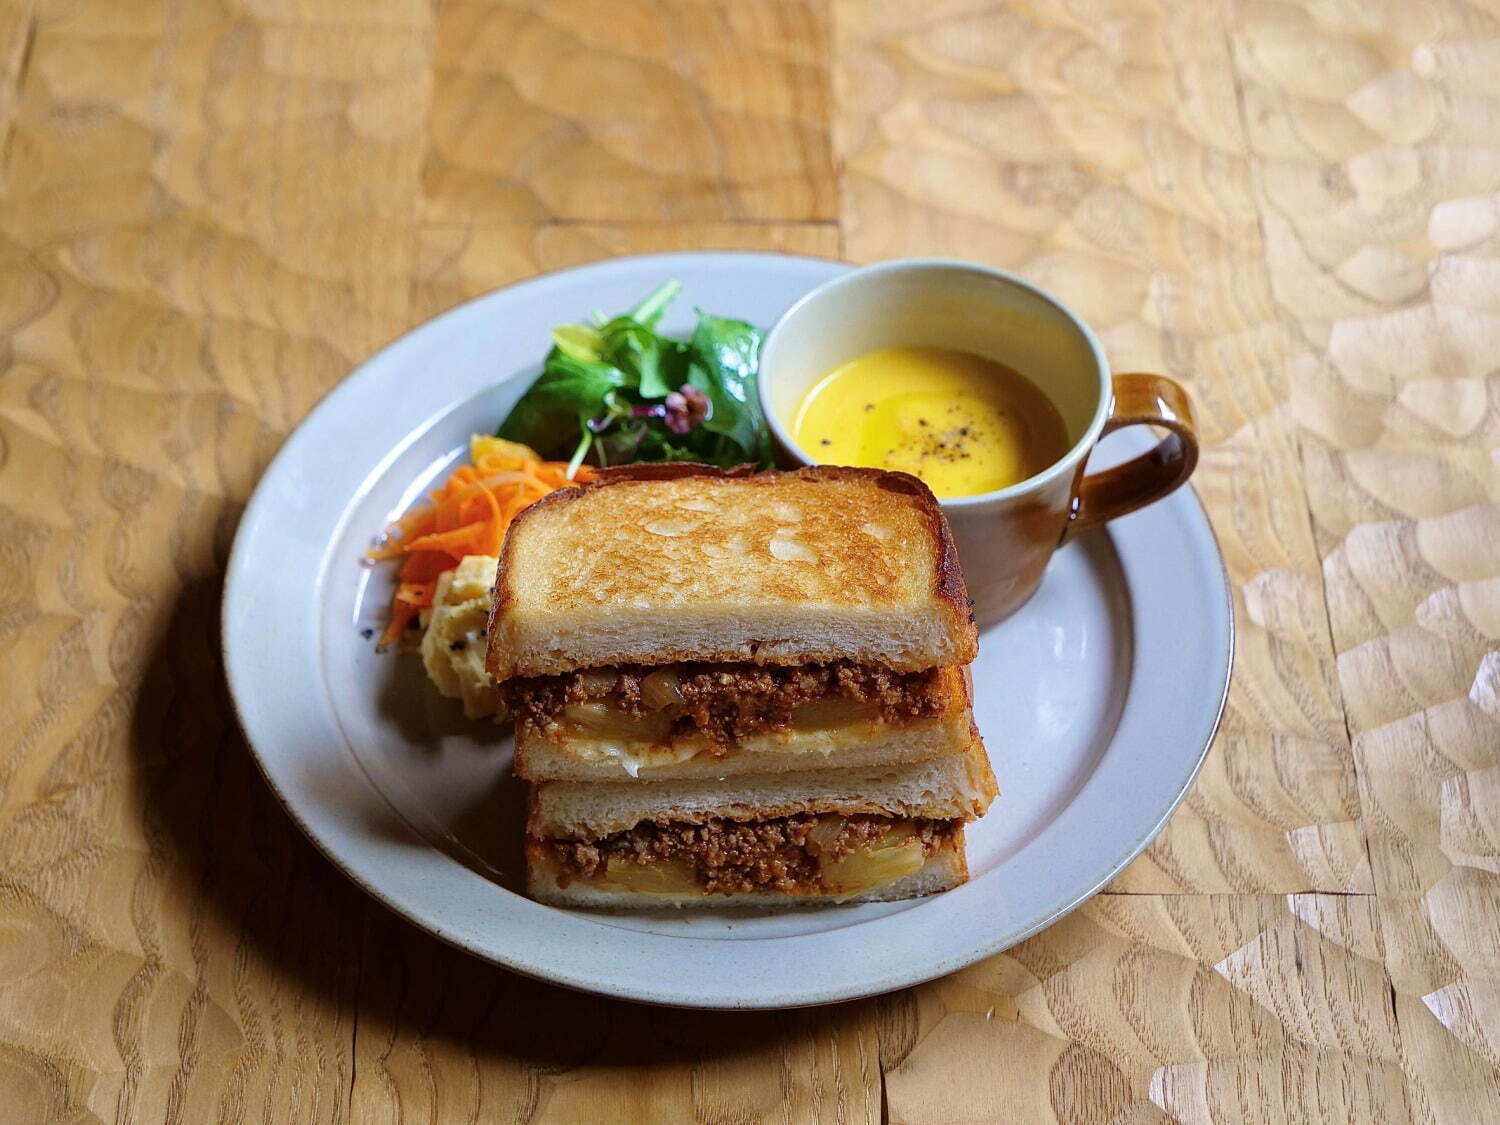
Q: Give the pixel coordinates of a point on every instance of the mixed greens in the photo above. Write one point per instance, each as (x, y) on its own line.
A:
(617, 391)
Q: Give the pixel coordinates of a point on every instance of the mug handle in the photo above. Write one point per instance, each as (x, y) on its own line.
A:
(1140, 399)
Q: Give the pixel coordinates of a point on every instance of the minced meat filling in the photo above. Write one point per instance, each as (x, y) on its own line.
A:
(731, 856)
(727, 701)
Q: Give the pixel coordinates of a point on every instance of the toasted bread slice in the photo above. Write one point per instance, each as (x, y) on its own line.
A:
(688, 562)
(941, 871)
(957, 787)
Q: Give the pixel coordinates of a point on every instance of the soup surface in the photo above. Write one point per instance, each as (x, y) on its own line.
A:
(963, 423)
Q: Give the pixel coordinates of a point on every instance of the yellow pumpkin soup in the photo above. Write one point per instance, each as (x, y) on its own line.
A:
(963, 423)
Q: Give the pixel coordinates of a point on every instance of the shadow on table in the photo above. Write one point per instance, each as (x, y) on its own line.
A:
(278, 924)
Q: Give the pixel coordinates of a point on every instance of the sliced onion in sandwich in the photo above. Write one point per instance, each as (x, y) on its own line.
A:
(868, 868)
(659, 877)
(662, 689)
(605, 721)
(833, 712)
(824, 832)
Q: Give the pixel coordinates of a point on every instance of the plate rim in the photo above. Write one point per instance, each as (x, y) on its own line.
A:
(235, 578)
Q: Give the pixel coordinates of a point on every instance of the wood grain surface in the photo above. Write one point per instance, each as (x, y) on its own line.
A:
(210, 211)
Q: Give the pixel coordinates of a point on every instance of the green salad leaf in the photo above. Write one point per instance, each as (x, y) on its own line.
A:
(619, 391)
(579, 341)
(653, 306)
(550, 415)
(726, 358)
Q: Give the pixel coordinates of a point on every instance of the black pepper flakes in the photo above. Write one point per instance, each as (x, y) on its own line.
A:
(457, 646)
(826, 441)
(367, 634)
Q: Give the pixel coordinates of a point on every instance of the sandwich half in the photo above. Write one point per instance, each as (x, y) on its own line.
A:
(683, 622)
(823, 836)
(736, 688)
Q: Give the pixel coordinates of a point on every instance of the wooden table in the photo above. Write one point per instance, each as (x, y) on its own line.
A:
(210, 212)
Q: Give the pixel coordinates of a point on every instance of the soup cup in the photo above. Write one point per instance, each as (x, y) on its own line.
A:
(1005, 538)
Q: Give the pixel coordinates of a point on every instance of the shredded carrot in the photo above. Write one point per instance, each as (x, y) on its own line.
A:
(468, 515)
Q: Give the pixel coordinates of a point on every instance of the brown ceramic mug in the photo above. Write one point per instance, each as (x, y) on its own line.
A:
(1005, 538)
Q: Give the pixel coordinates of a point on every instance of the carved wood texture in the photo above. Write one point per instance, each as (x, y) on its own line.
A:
(211, 209)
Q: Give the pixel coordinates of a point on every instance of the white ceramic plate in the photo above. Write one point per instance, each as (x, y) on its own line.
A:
(1097, 701)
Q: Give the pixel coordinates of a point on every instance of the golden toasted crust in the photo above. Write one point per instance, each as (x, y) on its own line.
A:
(981, 773)
(694, 562)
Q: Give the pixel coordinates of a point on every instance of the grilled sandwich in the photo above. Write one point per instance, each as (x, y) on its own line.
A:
(739, 661)
(828, 835)
(709, 624)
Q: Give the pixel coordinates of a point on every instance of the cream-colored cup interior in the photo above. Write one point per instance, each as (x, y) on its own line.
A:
(938, 304)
